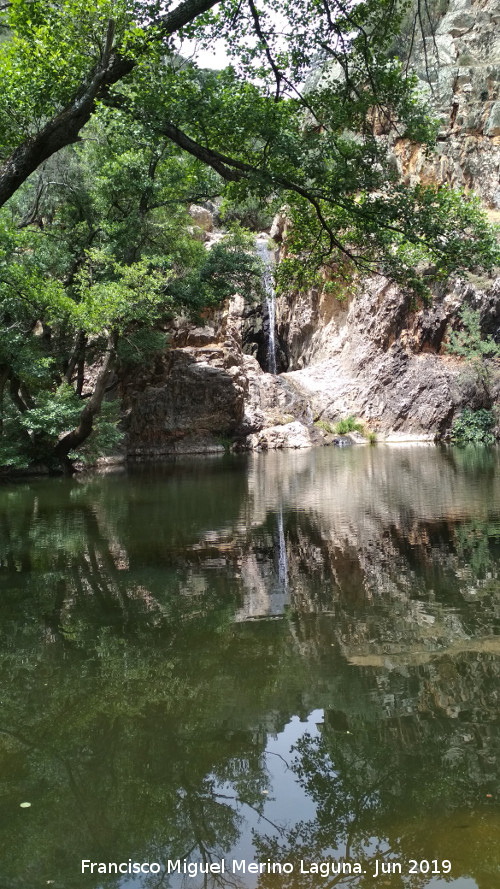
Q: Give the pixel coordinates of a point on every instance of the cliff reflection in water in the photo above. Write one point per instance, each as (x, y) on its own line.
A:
(146, 715)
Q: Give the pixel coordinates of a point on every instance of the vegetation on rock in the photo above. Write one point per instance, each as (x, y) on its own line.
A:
(479, 351)
(349, 424)
(474, 427)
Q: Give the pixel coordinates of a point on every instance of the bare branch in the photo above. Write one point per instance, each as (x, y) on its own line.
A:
(263, 39)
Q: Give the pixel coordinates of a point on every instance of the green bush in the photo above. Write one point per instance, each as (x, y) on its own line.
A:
(473, 427)
(325, 426)
(349, 424)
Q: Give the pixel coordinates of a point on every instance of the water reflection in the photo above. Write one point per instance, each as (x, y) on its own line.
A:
(145, 716)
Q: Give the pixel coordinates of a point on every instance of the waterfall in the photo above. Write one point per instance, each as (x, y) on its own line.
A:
(269, 302)
(281, 554)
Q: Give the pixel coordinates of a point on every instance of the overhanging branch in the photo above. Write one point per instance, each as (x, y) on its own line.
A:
(64, 127)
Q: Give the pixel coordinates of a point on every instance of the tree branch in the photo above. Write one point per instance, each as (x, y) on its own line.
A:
(64, 127)
(262, 37)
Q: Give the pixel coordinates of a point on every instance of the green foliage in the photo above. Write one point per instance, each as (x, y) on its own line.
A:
(110, 255)
(473, 542)
(343, 284)
(96, 252)
(348, 424)
(111, 294)
(398, 231)
(251, 212)
(141, 344)
(325, 426)
(52, 48)
(226, 442)
(30, 437)
(12, 456)
(231, 267)
(54, 413)
(474, 427)
(470, 344)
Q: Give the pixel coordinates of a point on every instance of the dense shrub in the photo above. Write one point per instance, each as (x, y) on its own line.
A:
(473, 427)
(348, 424)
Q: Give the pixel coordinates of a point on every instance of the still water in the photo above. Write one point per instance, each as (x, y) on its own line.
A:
(275, 659)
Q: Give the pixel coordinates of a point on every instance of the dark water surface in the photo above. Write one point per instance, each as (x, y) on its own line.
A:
(277, 658)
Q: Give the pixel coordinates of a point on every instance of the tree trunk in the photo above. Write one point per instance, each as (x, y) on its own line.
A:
(15, 394)
(92, 408)
(4, 376)
(76, 357)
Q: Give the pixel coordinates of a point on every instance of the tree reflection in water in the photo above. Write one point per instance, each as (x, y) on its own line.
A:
(394, 790)
(137, 699)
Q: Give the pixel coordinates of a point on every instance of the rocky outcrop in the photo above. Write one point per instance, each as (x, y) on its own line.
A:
(202, 217)
(192, 396)
(384, 360)
(378, 356)
(460, 69)
(204, 394)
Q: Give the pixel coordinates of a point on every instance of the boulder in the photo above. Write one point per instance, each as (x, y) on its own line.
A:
(202, 217)
(290, 435)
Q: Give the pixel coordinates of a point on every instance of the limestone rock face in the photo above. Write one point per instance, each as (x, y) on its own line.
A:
(460, 71)
(384, 361)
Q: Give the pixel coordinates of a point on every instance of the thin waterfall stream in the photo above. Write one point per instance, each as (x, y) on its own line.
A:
(281, 554)
(267, 258)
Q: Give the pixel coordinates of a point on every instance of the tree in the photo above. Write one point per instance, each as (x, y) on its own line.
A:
(259, 125)
(104, 258)
(62, 58)
(84, 265)
(317, 146)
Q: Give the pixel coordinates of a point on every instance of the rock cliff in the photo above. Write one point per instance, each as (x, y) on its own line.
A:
(376, 355)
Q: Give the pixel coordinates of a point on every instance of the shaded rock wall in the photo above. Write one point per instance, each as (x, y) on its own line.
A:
(191, 396)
